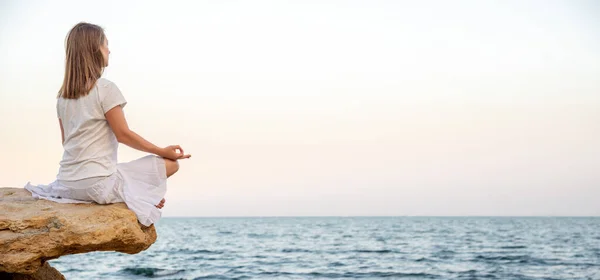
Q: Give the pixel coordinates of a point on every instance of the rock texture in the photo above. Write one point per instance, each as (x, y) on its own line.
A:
(46, 272)
(33, 231)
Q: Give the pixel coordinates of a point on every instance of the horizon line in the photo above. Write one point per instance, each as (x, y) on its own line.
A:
(398, 216)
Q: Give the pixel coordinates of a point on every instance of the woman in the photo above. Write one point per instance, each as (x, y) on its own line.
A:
(92, 124)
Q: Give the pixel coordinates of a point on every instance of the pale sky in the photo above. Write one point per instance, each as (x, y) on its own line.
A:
(311, 108)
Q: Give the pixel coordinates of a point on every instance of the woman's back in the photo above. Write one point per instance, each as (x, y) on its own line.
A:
(90, 146)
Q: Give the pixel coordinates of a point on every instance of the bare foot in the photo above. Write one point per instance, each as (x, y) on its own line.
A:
(161, 204)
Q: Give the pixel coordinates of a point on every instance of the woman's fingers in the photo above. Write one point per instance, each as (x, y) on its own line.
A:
(178, 152)
(182, 156)
(180, 149)
(175, 148)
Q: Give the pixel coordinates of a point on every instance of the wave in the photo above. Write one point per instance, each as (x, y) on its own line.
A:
(199, 251)
(261, 235)
(521, 259)
(295, 250)
(513, 247)
(220, 276)
(374, 274)
(149, 271)
(373, 251)
(335, 264)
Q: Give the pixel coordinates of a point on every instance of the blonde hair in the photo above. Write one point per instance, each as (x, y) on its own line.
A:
(84, 62)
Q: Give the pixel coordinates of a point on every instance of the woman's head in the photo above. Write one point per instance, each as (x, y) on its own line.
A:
(86, 56)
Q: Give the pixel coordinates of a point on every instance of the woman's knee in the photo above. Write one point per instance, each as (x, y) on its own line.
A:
(172, 166)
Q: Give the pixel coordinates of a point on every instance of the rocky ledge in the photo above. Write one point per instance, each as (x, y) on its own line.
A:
(33, 231)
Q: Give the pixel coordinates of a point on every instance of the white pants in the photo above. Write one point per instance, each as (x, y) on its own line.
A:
(141, 184)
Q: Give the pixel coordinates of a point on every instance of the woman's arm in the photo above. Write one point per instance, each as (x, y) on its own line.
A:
(118, 124)
(62, 131)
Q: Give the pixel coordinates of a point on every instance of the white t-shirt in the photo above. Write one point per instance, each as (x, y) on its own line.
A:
(90, 144)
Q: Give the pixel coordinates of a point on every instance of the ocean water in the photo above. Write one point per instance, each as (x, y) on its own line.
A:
(355, 247)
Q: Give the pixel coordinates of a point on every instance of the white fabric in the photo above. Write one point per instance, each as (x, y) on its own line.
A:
(90, 144)
(141, 184)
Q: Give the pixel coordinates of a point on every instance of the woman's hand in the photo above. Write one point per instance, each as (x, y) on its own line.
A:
(173, 152)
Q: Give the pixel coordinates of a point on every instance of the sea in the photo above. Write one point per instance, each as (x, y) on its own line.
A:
(355, 247)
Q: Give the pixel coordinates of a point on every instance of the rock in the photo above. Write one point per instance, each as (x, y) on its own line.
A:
(46, 272)
(33, 231)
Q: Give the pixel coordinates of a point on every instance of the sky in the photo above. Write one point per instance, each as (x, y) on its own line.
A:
(330, 108)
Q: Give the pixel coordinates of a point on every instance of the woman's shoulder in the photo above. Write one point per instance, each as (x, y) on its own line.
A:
(103, 82)
(108, 89)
